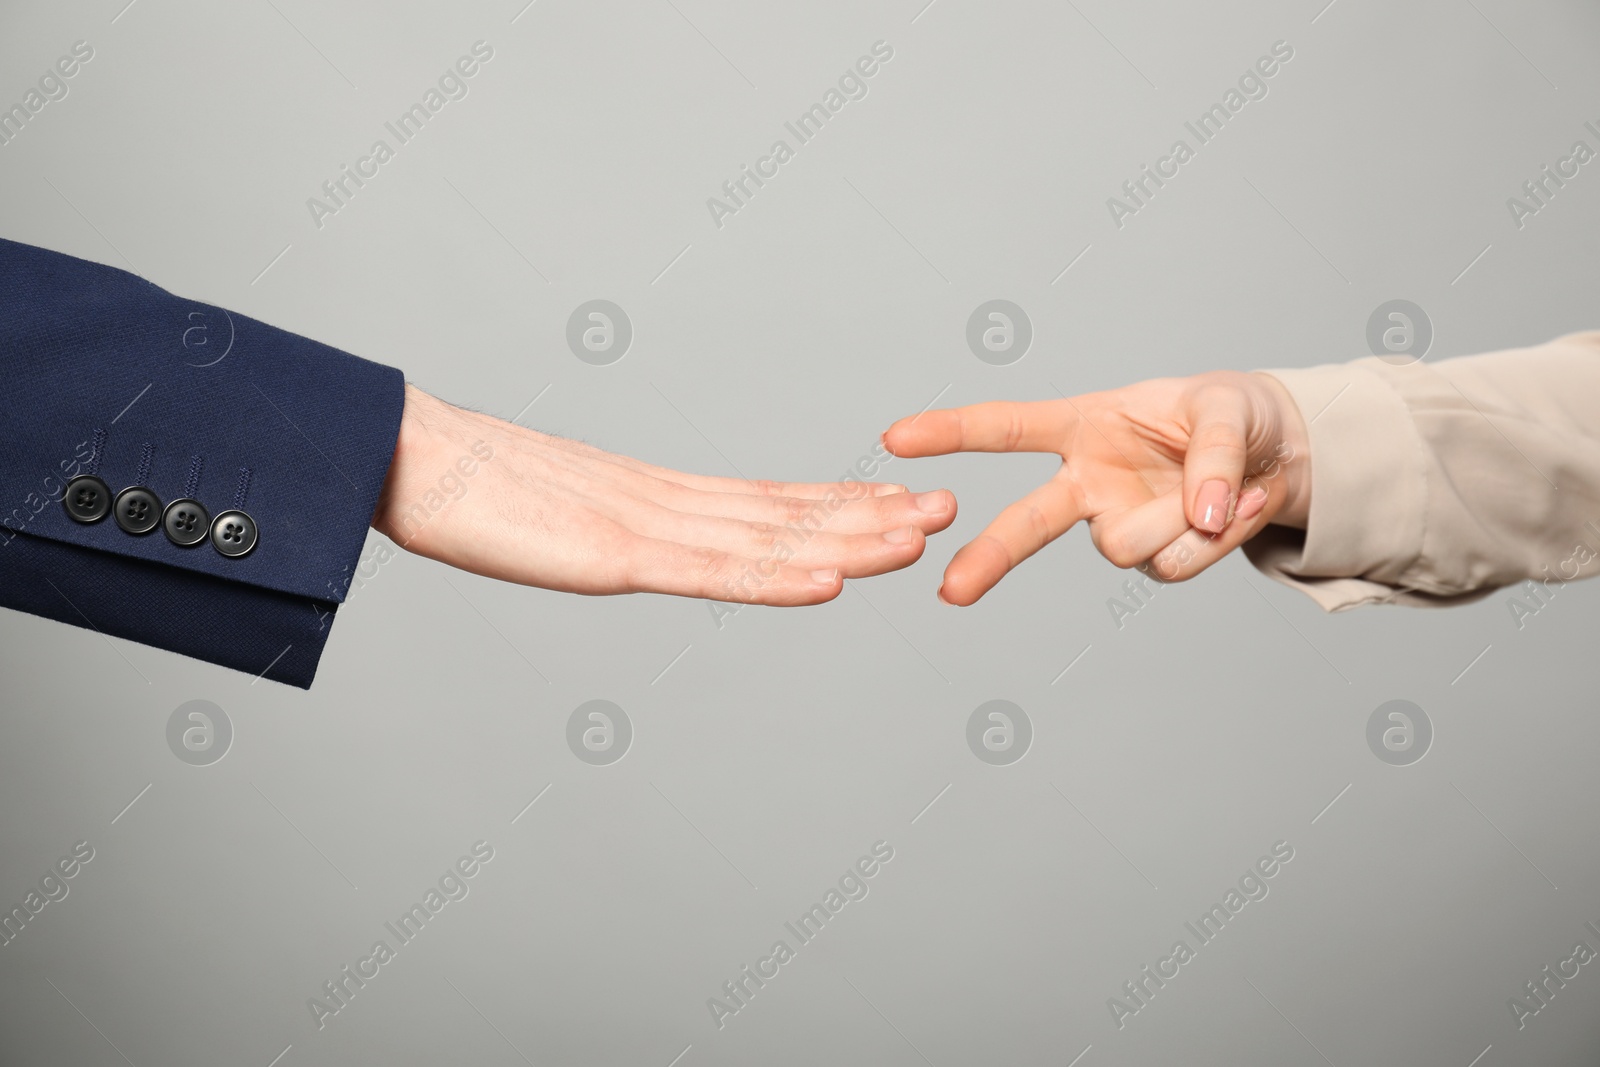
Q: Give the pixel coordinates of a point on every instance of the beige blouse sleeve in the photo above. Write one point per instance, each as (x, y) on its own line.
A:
(1435, 483)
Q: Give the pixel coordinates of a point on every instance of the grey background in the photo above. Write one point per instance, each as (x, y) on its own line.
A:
(769, 754)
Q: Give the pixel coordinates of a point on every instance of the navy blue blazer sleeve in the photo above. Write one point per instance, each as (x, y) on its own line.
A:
(106, 376)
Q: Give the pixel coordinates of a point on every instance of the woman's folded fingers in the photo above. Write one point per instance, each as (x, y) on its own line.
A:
(1130, 536)
(1195, 550)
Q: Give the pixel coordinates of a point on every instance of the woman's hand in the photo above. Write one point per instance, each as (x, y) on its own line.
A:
(500, 500)
(1170, 474)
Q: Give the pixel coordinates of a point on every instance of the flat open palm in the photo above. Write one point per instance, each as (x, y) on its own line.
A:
(1173, 472)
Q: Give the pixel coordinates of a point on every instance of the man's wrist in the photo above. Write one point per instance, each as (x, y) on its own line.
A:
(413, 445)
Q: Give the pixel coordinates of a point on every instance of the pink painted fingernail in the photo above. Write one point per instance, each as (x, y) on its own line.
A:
(1250, 503)
(901, 536)
(1211, 505)
(824, 577)
(934, 503)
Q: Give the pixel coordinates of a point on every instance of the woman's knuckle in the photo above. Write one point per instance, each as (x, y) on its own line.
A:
(1116, 547)
(1014, 430)
(1038, 526)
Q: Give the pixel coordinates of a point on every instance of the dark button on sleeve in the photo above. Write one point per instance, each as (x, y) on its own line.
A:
(137, 510)
(87, 498)
(233, 533)
(186, 522)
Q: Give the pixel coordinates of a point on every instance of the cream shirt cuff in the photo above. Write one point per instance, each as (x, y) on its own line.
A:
(1369, 492)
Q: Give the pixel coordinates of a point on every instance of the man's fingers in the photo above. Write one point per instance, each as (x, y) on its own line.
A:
(997, 426)
(655, 566)
(1213, 466)
(711, 483)
(929, 512)
(1016, 533)
(854, 555)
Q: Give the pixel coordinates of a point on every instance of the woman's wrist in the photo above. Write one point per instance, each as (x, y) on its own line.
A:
(1295, 432)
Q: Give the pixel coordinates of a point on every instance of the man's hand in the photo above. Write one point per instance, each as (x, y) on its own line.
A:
(541, 510)
(1170, 474)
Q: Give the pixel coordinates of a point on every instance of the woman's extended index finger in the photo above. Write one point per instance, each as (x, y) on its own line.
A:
(995, 426)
